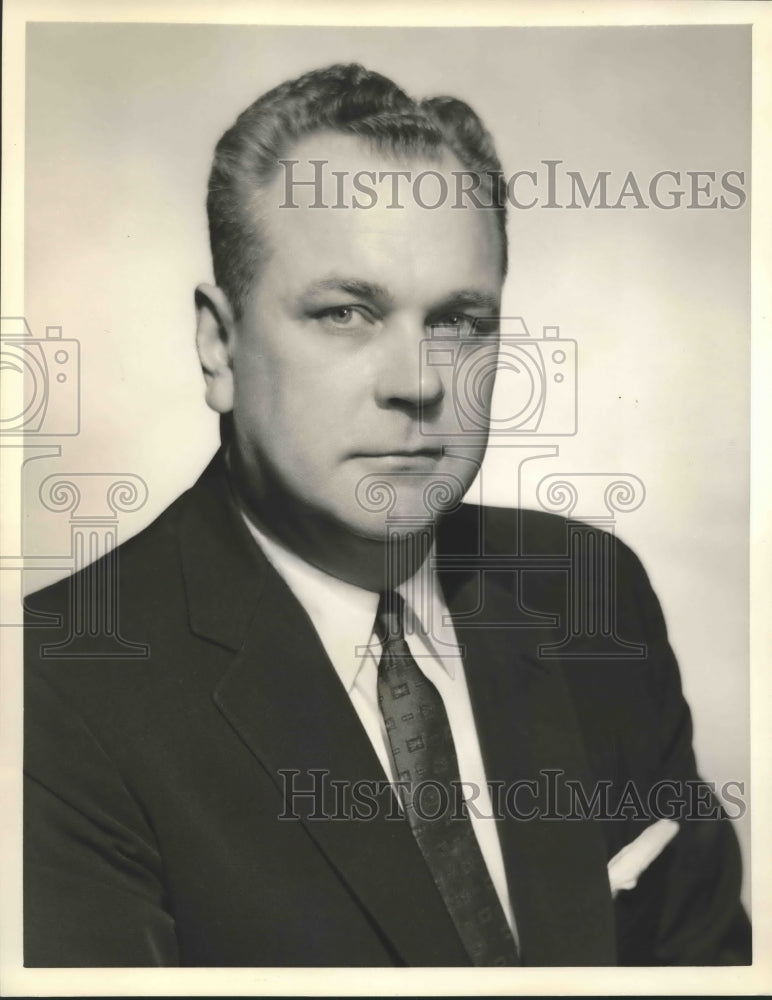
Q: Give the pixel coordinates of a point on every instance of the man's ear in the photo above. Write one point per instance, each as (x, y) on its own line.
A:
(215, 332)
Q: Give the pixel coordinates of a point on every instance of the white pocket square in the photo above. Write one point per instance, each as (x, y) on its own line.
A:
(628, 865)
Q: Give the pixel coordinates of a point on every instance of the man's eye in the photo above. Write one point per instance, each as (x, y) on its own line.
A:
(341, 314)
(341, 317)
(458, 323)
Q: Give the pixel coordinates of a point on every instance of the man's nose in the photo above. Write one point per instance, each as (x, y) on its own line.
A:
(404, 379)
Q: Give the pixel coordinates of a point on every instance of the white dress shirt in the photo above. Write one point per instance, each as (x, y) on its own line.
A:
(344, 617)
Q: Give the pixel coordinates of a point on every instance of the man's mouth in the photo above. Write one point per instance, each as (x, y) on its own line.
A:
(409, 452)
(406, 458)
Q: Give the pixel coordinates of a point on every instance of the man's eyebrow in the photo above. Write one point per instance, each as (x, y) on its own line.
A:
(463, 297)
(469, 298)
(352, 286)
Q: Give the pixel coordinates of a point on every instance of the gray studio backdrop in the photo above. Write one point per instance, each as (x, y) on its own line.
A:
(121, 122)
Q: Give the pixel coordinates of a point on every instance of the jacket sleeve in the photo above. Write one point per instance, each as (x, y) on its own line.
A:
(93, 885)
(701, 918)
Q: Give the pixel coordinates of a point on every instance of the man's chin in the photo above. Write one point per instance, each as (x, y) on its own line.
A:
(383, 503)
(383, 530)
(390, 517)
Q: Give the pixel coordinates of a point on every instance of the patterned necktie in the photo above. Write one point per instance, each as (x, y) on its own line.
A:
(425, 760)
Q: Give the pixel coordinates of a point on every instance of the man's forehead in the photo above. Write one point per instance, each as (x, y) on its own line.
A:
(341, 205)
(328, 154)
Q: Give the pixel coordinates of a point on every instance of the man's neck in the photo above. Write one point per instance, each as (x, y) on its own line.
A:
(374, 564)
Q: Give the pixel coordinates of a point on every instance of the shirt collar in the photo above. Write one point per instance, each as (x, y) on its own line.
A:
(344, 615)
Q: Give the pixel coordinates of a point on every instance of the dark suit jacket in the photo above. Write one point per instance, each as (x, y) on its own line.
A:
(153, 791)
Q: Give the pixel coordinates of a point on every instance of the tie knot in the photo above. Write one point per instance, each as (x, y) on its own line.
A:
(389, 621)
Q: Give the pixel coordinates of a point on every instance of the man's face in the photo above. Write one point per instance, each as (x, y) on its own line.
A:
(334, 408)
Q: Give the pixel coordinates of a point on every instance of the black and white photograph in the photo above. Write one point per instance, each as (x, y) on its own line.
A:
(381, 500)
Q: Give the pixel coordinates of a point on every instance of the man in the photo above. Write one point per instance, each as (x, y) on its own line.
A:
(349, 744)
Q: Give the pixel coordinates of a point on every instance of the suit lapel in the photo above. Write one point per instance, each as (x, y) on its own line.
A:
(285, 701)
(526, 724)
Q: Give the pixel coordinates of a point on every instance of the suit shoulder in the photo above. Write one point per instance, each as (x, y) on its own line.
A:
(144, 560)
(509, 529)
(539, 530)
